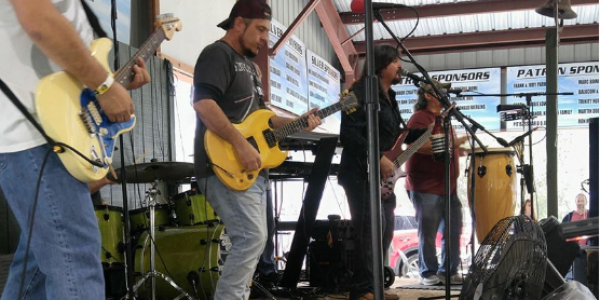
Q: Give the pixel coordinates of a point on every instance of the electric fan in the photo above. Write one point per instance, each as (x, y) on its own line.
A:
(510, 263)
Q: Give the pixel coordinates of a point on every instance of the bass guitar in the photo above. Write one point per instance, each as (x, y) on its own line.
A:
(70, 114)
(399, 156)
(258, 132)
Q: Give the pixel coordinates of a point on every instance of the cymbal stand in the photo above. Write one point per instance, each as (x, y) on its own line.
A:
(152, 273)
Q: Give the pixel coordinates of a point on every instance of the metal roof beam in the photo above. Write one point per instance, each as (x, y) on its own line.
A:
(336, 31)
(491, 40)
(454, 9)
(295, 24)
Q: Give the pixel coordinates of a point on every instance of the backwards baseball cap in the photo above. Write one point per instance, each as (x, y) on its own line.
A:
(248, 9)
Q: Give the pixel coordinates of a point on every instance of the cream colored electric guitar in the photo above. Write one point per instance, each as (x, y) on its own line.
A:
(70, 113)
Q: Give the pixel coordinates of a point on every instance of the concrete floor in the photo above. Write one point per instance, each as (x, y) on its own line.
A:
(405, 294)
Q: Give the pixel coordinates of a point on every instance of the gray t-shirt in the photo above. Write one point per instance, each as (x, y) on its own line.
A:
(230, 79)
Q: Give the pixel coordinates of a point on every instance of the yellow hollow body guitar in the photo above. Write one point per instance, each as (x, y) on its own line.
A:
(70, 113)
(257, 130)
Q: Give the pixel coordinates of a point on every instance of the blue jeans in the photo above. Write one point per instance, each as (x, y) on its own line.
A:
(431, 215)
(266, 264)
(244, 216)
(64, 256)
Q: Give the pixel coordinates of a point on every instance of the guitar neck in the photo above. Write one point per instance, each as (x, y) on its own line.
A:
(125, 74)
(413, 148)
(298, 125)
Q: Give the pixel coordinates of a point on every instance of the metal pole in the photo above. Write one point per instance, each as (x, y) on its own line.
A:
(372, 101)
(552, 117)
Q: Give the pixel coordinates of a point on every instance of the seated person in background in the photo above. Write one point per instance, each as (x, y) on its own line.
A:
(526, 209)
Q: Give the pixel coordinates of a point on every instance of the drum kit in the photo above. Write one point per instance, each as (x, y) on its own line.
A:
(181, 242)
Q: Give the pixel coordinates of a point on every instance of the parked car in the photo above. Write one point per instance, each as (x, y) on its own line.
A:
(404, 253)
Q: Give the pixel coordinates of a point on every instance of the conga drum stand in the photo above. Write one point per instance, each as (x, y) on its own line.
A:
(152, 273)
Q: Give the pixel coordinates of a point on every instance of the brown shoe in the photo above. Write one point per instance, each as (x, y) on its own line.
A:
(390, 296)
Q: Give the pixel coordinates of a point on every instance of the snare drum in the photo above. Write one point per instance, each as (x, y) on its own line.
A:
(140, 218)
(495, 188)
(110, 222)
(199, 250)
(192, 208)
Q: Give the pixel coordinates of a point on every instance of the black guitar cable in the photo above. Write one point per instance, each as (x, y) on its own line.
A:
(57, 147)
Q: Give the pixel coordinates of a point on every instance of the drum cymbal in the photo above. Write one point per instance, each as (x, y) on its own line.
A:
(149, 172)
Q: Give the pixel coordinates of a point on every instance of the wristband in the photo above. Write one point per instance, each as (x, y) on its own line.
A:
(103, 88)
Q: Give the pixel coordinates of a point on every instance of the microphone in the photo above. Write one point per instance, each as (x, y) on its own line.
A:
(505, 107)
(358, 6)
(438, 141)
(415, 78)
(522, 137)
(502, 142)
(456, 91)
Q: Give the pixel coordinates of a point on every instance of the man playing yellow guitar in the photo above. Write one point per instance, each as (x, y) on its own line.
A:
(226, 91)
(59, 254)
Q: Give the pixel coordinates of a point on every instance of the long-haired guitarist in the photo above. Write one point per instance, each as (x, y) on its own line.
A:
(227, 89)
(62, 261)
(353, 174)
(426, 186)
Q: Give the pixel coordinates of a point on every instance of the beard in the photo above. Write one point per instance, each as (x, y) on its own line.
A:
(247, 51)
(396, 80)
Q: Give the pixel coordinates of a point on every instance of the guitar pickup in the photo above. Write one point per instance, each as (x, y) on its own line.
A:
(87, 121)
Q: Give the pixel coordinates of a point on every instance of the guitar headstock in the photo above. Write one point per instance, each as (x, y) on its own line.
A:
(168, 24)
(348, 101)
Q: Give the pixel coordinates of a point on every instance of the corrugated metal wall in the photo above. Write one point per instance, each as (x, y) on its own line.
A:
(505, 57)
(151, 138)
(310, 31)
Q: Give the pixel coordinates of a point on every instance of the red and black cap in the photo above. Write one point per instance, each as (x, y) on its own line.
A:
(248, 9)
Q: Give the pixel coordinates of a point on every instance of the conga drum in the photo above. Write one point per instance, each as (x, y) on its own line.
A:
(495, 188)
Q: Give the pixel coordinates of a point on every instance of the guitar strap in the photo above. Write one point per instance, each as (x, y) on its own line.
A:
(11, 96)
(93, 20)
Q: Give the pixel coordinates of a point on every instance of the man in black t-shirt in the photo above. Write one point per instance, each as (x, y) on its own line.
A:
(227, 90)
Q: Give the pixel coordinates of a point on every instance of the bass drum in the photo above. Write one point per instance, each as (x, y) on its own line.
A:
(183, 253)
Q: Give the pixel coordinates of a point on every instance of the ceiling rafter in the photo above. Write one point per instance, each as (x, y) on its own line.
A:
(454, 9)
(491, 40)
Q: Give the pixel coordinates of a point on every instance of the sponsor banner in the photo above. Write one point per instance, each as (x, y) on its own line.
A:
(472, 82)
(323, 88)
(289, 86)
(573, 110)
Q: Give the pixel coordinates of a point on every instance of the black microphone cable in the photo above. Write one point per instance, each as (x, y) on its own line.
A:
(31, 221)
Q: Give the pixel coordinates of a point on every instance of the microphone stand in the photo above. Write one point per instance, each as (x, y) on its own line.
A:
(128, 261)
(443, 98)
(526, 170)
(372, 108)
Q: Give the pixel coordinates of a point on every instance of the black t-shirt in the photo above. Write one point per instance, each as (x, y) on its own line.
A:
(230, 79)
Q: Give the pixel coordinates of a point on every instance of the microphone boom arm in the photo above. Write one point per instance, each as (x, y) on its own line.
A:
(443, 97)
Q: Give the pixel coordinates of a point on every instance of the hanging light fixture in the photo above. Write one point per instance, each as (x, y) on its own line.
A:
(564, 9)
